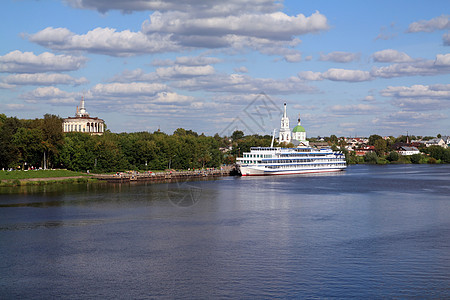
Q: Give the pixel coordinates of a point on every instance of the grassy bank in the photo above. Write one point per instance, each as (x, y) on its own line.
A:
(42, 177)
(11, 175)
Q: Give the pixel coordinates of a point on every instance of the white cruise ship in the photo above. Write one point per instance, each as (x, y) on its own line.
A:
(285, 161)
(282, 161)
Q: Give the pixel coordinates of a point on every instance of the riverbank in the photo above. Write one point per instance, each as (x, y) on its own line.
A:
(133, 176)
(43, 177)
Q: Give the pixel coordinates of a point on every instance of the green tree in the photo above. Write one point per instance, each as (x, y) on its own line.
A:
(371, 158)
(237, 135)
(9, 153)
(373, 138)
(380, 146)
(28, 143)
(393, 156)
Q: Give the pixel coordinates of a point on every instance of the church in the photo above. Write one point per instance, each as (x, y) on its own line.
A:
(298, 134)
(82, 122)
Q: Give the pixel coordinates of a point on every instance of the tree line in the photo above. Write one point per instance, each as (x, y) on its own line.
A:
(41, 143)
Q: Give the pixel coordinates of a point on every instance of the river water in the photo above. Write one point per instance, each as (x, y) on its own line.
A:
(368, 232)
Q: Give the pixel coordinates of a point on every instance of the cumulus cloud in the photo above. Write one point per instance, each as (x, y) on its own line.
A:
(346, 75)
(411, 67)
(440, 91)
(43, 79)
(438, 23)
(353, 109)
(442, 60)
(127, 90)
(419, 97)
(134, 76)
(274, 26)
(391, 55)
(196, 60)
(51, 95)
(211, 7)
(175, 31)
(310, 75)
(338, 56)
(27, 62)
(182, 71)
(418, 67)
(106, 41)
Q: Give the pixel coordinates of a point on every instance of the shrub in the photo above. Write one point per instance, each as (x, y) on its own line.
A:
(432, 160)
(416, 158)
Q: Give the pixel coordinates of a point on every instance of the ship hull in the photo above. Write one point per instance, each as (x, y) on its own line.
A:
(252, 171)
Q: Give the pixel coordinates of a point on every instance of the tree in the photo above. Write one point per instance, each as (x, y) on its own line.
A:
(237, 135)
(380, 146)
(393, 156)
(373, 138)
(9, 154)
(371, 158)
(439, 136)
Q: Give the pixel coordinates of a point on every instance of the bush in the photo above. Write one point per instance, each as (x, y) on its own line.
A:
(432, 160)
(416, 158)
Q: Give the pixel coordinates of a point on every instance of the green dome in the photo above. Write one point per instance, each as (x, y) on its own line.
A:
(298, 128)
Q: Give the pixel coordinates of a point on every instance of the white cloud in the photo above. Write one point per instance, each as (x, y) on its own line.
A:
(43, 79)
(106, 41)
(211, 7)
(337, 75)
(339, 56)
(134, 76)
(181, 71)
(347, 75)
(273, 26)
(354, 109)
(196, 60)
(441, 91)
(127, 90)
(27, 62)
(438, 23)
(391, 55)
(310, 75)
(419, 97)
(174, 31)
(50, 95)
(442, 60)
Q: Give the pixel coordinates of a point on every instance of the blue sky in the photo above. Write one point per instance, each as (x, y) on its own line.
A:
(350, 68)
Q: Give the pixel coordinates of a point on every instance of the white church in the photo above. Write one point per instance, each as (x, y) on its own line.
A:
(82, 122)
(298, 134)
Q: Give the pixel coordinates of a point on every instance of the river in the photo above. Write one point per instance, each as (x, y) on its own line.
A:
(367, 232)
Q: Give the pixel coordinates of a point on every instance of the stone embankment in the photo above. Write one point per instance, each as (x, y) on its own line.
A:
(131, 176)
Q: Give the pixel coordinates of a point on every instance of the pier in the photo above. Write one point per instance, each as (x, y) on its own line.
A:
(133, 176)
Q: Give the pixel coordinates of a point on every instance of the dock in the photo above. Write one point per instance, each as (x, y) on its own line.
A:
(135, 176)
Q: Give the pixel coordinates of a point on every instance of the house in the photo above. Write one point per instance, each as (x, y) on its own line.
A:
(436, 142)
(404, 150)
(364, 150)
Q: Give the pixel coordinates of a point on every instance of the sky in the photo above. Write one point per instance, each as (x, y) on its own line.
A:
(349, 68)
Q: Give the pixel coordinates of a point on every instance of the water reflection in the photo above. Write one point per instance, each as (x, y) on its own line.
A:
(369, 232)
